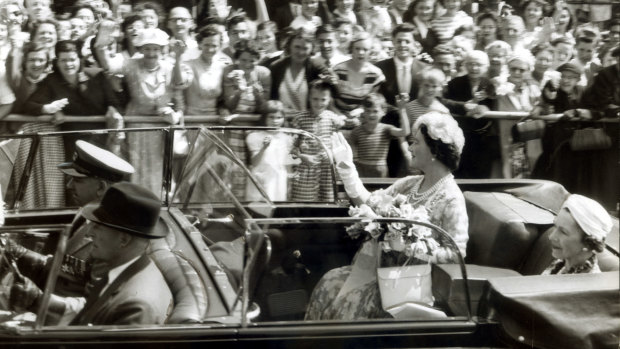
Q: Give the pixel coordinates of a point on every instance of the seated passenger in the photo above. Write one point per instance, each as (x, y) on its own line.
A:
(352, 292)
(579, 233)
(133, 291)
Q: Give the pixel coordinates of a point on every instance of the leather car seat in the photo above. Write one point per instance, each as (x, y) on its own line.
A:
(187, 288)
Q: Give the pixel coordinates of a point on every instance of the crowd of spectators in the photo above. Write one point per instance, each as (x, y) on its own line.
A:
(234, 59)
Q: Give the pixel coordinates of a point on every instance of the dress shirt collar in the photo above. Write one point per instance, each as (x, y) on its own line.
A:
(400, 64)
(116, 271)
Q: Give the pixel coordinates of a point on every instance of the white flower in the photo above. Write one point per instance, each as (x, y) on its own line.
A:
(443, 127)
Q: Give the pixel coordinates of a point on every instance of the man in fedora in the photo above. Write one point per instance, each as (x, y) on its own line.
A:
(133, 291)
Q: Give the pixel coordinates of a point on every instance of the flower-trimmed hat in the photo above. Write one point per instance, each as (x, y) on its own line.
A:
(152, 36)
(442, 127)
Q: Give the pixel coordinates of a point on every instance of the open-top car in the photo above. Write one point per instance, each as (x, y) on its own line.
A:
(242, 263)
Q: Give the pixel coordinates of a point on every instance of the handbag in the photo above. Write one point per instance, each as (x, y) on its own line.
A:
(589, 138)
(528, 130)
(405, 284)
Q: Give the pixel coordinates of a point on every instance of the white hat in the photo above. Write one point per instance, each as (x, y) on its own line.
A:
(591, 217)
(152, 36)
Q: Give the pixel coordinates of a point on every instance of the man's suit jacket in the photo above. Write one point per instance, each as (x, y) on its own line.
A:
(139, 295)
(389, 88)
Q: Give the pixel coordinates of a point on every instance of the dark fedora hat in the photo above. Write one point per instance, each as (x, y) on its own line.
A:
(130, 208)
(92, 161)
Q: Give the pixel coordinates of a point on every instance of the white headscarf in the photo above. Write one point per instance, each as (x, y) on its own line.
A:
(589, 215)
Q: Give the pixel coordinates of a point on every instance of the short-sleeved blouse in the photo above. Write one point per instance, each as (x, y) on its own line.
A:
(149, 89)
(205, 87)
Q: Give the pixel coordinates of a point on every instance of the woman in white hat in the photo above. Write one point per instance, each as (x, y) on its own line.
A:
(153, 84)
(579, 233)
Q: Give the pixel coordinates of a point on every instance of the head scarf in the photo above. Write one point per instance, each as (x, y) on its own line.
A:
(591, 217)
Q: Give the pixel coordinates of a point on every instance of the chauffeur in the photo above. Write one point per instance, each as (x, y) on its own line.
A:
(92, 171)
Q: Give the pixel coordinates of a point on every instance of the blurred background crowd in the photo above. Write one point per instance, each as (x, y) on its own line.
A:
(246, 62)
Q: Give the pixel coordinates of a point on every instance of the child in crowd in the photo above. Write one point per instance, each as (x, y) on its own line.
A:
(314, 178)
(269, 153)
(445, 25)
(344, 27)
(431, 83)
(308, 18)
(563, 51)
(370, 140)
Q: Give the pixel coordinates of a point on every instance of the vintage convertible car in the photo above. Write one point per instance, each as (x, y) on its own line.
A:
(242, 266)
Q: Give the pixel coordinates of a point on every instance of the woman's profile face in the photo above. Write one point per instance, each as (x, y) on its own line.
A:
(46, 35)
(36, 61)
(421, 155)
(361, 50)
(68, 63)
(566, 237)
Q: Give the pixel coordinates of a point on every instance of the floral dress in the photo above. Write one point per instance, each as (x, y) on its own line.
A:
(149, 90)
(340, 295)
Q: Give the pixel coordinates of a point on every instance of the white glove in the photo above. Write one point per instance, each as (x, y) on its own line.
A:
(341, 150)
(343, 156)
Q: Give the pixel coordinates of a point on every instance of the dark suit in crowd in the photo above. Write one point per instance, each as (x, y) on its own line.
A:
(389, 89)
(481, 137)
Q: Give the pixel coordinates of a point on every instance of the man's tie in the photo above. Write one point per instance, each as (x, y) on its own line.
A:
(405, 79)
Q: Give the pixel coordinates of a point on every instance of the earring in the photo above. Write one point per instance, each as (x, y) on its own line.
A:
(433, 159)
(585, 249)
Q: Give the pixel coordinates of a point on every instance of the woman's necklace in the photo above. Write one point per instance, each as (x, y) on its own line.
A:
(415, 196)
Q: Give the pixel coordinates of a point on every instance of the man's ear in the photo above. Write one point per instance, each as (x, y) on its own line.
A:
(102, 186)
(125, 239)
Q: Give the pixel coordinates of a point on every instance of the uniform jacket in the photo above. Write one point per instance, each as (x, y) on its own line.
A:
(139, 295)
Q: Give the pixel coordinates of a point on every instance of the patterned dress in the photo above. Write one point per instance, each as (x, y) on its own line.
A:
(149, 90)
(446, 207)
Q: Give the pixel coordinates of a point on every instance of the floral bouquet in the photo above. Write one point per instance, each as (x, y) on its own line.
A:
(412, 240)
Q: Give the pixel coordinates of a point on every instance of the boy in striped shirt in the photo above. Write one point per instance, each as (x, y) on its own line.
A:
(371, 139)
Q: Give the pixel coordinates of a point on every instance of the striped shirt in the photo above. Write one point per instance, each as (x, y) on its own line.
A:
(372, 147)
(444, 27)
(415, 110)
(350, 96)
(321, 126)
